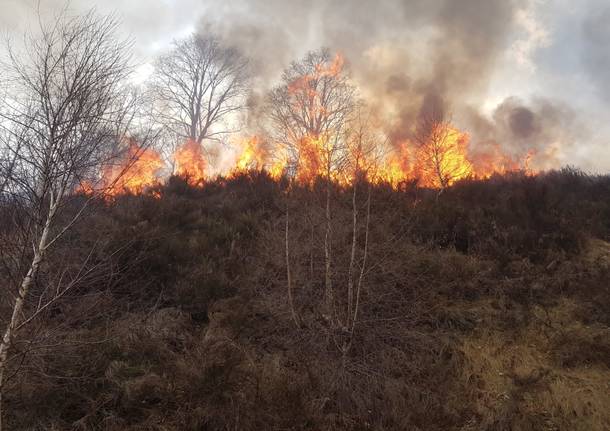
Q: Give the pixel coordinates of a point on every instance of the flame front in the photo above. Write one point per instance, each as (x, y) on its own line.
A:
(190, 162)
(446, 158)
(135, 171)
(142, 173)
(252, 155)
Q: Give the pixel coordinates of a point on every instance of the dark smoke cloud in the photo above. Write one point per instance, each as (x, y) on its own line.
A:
(461, 42)
(596, 53)
(541, 126)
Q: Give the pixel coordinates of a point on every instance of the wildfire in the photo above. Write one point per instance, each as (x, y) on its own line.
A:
(135, 171)
(304, 87)
(439, 162)
(252, 156)
(437, 156)
(397, 168)
(445, 158)
(190, 162)
(312, 157)
(333, 68)
(255, 155)
(278, 164)
(494, 161)
(314, 150)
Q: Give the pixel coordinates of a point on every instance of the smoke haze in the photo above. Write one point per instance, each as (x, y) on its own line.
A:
(494, 67)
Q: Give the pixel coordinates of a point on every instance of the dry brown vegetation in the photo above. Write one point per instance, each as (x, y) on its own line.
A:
(483, 309)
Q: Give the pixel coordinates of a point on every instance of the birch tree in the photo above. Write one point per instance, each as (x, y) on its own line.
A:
(64, 112)
(309, 112)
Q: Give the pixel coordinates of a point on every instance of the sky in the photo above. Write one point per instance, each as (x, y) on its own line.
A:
(522, 73)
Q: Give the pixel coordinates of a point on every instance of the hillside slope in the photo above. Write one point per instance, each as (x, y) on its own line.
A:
(486, 309)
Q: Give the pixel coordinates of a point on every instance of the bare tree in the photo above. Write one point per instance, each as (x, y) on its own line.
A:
(9, 148)
(363, 158)
(199, 84)
(364, 155)
(309, 111)
(65, 113)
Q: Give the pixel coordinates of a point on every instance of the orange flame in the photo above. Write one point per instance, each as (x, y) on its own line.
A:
(255, 156)
(278, 165)
(304, 83)
(252, 156)
(397, 167)
(137, 170)
(312, 160)
(313, 156)
(190, 162)
(442, 163)
(305, 86)
(443, 160)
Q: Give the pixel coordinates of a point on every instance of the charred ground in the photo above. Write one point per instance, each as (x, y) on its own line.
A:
(484, 308)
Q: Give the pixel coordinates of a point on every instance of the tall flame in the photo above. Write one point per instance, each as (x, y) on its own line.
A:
(278, 164)
(190, 162)
(312, 158)
(252, 156)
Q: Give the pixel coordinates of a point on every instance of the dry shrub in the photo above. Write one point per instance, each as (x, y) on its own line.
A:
(476, 313)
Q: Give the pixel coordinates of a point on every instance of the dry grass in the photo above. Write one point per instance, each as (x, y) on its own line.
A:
(520, 385)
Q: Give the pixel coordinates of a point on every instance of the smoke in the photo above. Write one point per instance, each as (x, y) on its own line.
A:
(414, 58)
(596, 53)
(408, 57)
(542, 128)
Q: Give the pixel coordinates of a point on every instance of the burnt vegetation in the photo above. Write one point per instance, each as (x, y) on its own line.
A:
(486, 308)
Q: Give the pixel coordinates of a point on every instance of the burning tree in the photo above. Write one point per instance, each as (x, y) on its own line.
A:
(310, 111)
(65, 115)
(441, 153)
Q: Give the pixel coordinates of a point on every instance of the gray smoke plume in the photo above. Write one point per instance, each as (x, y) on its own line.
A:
(413, 58)
(541, 127)
(409, 58)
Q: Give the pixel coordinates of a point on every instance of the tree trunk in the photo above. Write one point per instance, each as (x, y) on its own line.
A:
(350, 277)
(328, 288)
(9, 333)
(365, 252)
(288, 273)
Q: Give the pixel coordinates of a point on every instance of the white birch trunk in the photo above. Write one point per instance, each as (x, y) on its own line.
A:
(24, 288)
